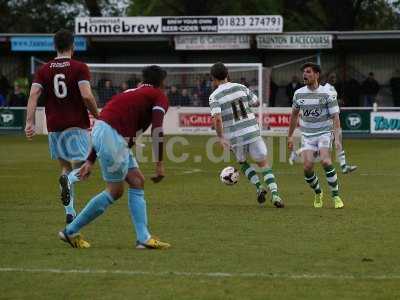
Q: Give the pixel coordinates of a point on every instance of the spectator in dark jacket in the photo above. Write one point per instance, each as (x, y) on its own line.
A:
(333, 81)
(370, 88)
(174, 96)
(272, 92)
(4, 85)
(351, 93)
(17, 97)
(291, 88)
(106, 93)
(395, 86)
(3, 100)
(185, 99)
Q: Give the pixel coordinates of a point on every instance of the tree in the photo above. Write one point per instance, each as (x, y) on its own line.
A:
(38, 16)
(299, 15)
(201, 8)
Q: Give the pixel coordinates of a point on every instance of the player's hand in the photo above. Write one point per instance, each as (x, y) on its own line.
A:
(224, 143)
(290, 143)
(30, 130)
(85, 170)
(160, 172)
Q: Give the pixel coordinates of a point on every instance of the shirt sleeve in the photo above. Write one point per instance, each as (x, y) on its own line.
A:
(332, 104)
(39, 80)
(161, 102)
(295, 103)
(214, 106)
(84, 75)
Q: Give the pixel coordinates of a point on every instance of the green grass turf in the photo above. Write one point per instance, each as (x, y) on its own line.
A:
(213, 229)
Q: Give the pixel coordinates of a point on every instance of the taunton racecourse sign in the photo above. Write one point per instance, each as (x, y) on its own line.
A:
(294, 41)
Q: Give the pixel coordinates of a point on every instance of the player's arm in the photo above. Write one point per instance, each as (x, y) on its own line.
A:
(36, 91)
(333, 110)
(217, 121)
(86, 90)
(337, 132)
(253, 99)
(88, 98)
(293, 122)
(157, 135)
(86, 168)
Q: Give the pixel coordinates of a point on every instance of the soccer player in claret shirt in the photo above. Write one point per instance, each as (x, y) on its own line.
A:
(65, 84)
(124, 117)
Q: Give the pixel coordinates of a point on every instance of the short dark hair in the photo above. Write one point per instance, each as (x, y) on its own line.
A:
(219, 71)
(63, 40)
(315, 67)
(154, 75)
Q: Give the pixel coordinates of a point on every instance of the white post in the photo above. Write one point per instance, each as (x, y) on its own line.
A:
(260, 95)
(32, 65)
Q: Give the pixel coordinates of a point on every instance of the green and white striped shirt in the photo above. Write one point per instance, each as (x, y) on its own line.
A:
(233, 101)
(317, 108)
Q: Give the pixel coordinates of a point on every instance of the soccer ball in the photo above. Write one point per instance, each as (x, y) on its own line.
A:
(229, 175)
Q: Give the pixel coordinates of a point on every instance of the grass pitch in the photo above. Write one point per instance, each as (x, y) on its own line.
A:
(224, 245)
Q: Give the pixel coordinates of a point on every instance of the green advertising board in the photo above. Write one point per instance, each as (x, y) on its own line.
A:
(12, 119)
(355, 121)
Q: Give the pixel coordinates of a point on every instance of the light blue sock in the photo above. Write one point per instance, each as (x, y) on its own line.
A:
(91, 211)
(137, 207)
(69, 209)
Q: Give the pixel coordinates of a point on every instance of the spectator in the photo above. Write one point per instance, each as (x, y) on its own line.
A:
(124, 86)
(333, 81)
(253, 86)
(197, 101)
(351, 93)
(201, 91)
(3, 101)
(174, 96)
(185, 99)
(17, 97)
(244, 81)
(370, 88)
(4, 85)
(395, 86)
(272, 93)
(133, 82)
(292, 87)
(106, 93)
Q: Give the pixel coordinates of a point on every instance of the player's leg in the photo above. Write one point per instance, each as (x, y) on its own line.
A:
(66, 189)
(342, 159)
(96, 206)
(138, 210)
(310, 148)
(71, 145)
(324, 145)
(113, 156)
(258, 152)
(250, 173)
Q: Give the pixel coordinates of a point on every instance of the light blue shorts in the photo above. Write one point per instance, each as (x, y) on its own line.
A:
(71, 144)
(113, 153)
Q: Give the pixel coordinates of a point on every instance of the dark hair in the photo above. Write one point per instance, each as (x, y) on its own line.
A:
(63, 40)
(315, 67)
(219, 71)
(153, 75)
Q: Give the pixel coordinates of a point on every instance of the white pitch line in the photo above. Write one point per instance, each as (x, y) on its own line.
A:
(199, 274)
